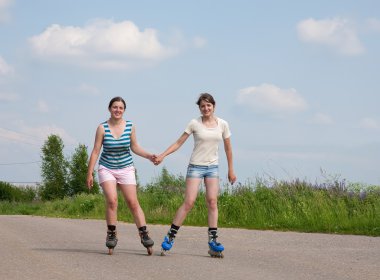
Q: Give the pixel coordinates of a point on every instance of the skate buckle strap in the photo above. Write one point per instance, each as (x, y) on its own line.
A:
(213, 234)
(171, 236)
(144, 235)
(111, 234)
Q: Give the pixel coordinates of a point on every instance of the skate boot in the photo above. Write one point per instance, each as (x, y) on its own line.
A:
(146, 241)
(111, 241)
(167, 244)
(215, 248)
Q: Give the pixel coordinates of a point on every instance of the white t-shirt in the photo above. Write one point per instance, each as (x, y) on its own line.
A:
(206, 141)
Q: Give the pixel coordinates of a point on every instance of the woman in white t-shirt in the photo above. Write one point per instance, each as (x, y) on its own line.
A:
(208, 130)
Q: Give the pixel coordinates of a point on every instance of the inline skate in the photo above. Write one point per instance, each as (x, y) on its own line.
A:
(111, 241)
(215, 248)
(146, 241)
(167, 244)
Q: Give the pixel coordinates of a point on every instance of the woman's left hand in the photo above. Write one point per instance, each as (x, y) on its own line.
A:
(231, 177)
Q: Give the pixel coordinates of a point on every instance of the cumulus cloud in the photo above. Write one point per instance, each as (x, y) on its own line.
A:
(373, 24)
(270, 98)
(13, 136)
(337, 33)
(322, 119)
(42, 106)
(199, 42)
(5, 68)
(8, 97)
(4, 14)
(88, 89)
(101, 43)
(42, 132)
(27, 134)
(369, 123)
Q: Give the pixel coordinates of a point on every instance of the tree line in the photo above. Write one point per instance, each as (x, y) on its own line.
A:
(62, 176)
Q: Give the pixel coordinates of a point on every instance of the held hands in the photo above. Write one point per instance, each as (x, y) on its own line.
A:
(156, 159)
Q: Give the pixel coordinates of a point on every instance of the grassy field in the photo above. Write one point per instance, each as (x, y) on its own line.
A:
(284, 206)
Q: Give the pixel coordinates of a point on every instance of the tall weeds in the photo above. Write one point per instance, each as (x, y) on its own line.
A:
(333, 207)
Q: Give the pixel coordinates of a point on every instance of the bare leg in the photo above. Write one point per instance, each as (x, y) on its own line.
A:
(110, 193)
(130, 196)
(212, 191)
(191, 193)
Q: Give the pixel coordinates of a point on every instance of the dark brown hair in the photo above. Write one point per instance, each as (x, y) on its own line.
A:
(206, 97)
(115, 99)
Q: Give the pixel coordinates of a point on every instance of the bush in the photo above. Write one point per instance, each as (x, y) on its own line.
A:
(11, 193)
(167, 183)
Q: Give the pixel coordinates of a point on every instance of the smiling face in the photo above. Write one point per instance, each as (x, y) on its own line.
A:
(117, 109)
(206, 108)
(206, 104)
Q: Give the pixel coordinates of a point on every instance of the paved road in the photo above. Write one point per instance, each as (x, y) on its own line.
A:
(50, 248)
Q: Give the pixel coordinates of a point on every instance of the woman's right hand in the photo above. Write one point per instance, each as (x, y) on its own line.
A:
(90, 181)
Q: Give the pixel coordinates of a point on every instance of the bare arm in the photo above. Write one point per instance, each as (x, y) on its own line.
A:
(95, 155)
(228, 150)
(172, 148)
(137, 149)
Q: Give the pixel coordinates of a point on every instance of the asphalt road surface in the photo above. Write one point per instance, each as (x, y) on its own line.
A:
(52, 248)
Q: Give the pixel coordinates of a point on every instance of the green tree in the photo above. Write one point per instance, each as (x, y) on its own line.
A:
(53, 169)
(78, 172)
(169, 182)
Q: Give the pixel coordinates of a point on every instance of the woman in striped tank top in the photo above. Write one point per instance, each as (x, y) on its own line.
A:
(117, 137)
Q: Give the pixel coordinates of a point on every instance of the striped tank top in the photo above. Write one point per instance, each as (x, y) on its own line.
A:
(116, 153)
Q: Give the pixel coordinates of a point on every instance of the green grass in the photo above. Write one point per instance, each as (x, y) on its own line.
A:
(285, 206)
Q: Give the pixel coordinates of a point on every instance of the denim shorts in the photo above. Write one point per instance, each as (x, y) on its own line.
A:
(202, 171)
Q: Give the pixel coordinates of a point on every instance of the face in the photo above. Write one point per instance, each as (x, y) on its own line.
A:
(206, 108)
(117, 109)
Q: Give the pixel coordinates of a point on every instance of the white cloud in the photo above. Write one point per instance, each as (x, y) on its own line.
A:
(8, 97)
(322, 119)
(369, 123)
(199, 42)
(88, 89)
(102, 44)
(373, 24)
(4, 14)
(5, 68)
(43, 132)
(13, 136)
(269, 98)
(27, 134)
(336, 33)
(42, 106)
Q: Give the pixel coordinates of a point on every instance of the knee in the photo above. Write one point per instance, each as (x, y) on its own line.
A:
(188, 205)
(133, 205)
(212, 204)
(112, 203)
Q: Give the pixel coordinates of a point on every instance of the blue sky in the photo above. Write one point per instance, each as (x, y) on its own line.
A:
(298, 81)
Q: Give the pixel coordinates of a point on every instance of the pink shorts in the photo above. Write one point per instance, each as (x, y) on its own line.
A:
(124, 176)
